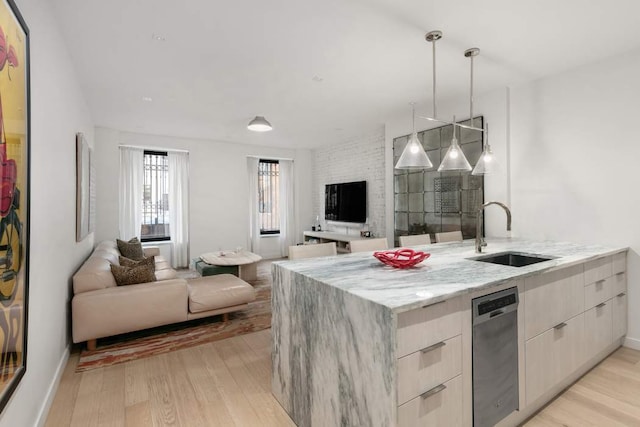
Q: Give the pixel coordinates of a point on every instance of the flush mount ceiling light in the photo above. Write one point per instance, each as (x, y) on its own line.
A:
(259, 124)
(413, 156)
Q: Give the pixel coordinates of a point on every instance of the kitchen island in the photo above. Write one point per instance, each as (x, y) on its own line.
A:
(359, 343)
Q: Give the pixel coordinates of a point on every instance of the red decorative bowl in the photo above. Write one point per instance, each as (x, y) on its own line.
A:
(402, 258)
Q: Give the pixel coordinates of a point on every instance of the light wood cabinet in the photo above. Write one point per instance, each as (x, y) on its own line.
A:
(440, 406)
(598, 292)
(552, 298)
(429, 365)
(598, 269)
(619, 315)
(552, 355)
(598, 324)
(619, 284)
(619, 263)
(423, 327)
(428, 368)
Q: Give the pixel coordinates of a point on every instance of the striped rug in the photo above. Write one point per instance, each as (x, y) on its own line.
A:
(150, 342)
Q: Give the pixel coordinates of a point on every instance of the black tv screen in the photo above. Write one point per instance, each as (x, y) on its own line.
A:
(346, 202)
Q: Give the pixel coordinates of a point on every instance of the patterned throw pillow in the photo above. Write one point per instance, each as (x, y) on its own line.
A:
(127, 262)
(132, 276)
(131, 249)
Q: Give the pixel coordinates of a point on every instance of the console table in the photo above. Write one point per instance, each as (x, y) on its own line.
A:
(342, 240)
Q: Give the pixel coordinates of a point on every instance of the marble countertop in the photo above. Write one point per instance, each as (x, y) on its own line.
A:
(447, 273)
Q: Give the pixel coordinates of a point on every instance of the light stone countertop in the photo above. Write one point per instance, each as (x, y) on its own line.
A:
(446, 274)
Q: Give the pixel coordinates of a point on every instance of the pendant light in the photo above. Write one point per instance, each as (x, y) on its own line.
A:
(413, 156)
(454, 159)
(486, 163)
(259, 124)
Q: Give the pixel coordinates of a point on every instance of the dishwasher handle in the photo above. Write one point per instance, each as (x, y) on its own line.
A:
(492, 306)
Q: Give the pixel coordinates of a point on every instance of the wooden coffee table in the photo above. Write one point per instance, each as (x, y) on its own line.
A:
(245, 261)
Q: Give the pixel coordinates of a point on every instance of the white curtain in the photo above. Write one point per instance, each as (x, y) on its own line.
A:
(287, 212)
(179, 208)
(254, 223)
(131, 182)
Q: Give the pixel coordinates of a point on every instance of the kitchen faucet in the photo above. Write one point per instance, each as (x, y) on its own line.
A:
(479, 229)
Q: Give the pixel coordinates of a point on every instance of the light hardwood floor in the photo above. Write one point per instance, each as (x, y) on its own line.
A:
(227, 383)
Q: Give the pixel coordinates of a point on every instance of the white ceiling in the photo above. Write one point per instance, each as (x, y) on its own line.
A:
(223, 62)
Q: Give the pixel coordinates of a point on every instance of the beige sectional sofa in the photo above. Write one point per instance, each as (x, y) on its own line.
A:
(100, 308)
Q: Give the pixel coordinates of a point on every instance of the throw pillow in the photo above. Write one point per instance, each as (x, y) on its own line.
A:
(127, 262)
(131, 249)
(132, 276)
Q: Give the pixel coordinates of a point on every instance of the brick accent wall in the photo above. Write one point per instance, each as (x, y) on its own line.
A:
(357, 159)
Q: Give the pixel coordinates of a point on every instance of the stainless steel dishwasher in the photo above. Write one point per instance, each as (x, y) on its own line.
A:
(495, 357)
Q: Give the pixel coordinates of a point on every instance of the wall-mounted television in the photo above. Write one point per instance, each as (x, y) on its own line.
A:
(346, 202)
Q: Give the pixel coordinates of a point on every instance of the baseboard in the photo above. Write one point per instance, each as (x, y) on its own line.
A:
(632, 343)
(53, 388)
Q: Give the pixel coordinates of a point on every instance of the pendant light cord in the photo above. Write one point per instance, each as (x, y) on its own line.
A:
(413, 115)
(435, 112)
(471, 95)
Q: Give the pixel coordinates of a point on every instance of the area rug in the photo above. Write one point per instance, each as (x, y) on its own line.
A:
(151, 342)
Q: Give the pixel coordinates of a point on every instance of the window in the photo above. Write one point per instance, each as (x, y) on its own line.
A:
(268, 196)
(155, 197)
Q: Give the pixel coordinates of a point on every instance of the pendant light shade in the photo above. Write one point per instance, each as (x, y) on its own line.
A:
(413, 156)
(454, 159)
(487, 163)
(259, 124)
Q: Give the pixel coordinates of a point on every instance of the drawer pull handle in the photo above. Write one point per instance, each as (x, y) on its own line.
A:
(559, 326)
(437, 389)
(435, 303)
(433, 347)
(602, 304)
(621, 294)
(620, 273)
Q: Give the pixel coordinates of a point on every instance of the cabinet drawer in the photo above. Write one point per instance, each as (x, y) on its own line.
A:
(598, 269)
(420, 328)
(437, 408)
(619, 308)
(598, 292)
(552, 298)
(619, 283)
(553, 355)
(425, 369)
(598, 325)
(620, 262)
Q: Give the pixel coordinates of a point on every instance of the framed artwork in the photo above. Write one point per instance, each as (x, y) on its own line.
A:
(14, 197)
(85, 189)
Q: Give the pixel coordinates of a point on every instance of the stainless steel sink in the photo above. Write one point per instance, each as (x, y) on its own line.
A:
(513, 259)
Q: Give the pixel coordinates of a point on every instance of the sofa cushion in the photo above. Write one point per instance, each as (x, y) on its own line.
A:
(131, 249)
(94, 274)
(219, 291)
(127, 262)
(132, 275)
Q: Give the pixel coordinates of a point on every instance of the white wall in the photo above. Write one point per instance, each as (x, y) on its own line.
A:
(358, 159)
(218, 187)
(58, 111)
(575, 151)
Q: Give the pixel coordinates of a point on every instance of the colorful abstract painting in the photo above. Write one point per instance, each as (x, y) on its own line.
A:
(14, 197)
